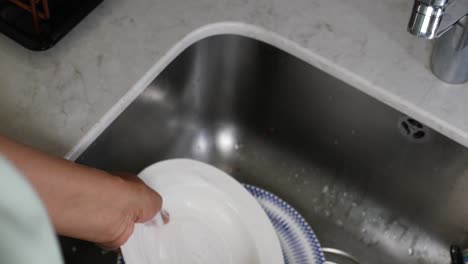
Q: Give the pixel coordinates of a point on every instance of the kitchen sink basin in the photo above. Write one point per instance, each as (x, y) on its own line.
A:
(369, 179)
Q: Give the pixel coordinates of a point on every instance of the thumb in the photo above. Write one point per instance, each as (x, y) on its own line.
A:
(146, 202)
(150, 203)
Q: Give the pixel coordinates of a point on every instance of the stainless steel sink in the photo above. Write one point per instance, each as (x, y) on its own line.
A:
(370, 180)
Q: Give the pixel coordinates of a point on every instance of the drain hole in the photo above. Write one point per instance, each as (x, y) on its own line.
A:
(406, 128)
(419, 134)
(413, 129)
(415, 123)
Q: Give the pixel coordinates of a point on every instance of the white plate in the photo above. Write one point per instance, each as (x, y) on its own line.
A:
(213, 220)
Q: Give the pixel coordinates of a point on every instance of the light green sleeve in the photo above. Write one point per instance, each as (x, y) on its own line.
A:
(26, 235)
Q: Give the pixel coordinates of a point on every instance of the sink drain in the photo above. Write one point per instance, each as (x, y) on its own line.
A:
(413, 129)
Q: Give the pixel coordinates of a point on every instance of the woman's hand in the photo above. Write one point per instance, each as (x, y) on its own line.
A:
(83, 202)
(106, 214)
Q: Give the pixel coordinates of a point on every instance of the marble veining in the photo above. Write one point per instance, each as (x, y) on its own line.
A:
(51, 99)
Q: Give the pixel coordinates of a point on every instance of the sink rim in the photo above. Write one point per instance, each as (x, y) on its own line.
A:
(284, 44)
(285, 116)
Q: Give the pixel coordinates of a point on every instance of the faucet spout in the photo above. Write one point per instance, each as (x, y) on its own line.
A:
(432, 18)
(426, 17)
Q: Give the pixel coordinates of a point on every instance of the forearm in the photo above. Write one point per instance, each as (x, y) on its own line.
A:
(61, 184)
(83, 202)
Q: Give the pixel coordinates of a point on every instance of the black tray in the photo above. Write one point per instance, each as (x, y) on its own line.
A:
(17, 23)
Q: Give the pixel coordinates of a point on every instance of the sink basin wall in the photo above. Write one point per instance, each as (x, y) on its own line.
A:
(370, 180)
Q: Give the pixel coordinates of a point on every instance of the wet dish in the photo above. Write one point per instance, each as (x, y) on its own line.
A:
(213, 219)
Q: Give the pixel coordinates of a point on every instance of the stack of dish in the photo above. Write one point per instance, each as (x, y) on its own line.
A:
(215, 219)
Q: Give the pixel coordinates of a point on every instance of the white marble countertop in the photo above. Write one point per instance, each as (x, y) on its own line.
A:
(51, 99)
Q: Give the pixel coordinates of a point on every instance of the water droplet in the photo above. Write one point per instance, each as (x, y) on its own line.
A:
(236, 146)
(325, 189)
(339, 223)
(354, 204)
(345, 194)
(410, 251)
(335, 142)
(296, 175)
(327, 213)
(74, 249)
(364, 230)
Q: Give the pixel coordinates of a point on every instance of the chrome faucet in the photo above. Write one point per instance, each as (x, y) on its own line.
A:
(446, 21)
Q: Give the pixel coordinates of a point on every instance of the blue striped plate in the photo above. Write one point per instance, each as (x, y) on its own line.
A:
(298, 241)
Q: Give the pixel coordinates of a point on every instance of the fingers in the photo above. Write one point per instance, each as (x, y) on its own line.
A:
(160, 219)
(165, 216)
